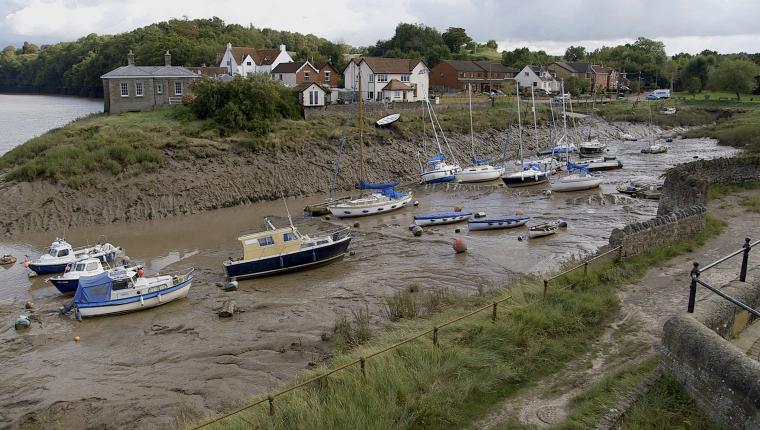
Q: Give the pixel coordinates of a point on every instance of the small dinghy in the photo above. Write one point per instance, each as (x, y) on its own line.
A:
(604, 163)
(387, 120)
(125, 291)
(668, 111)
(639, 188)
(7, 259)
(497, 223)
(441, 218)
(61, 254)
(655, 148)
(545, 229)
(68, 282)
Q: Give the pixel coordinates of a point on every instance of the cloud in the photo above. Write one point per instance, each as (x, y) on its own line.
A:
(689, 25)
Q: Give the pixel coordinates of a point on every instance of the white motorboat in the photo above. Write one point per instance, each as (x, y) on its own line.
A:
(441, 218)
(437, 170)
(497, 223)
(655, 148)
(592, 148)
(61, 254)
(68, 282)
(125, 291)
(524, 178)
(480, 171)
(382, 198)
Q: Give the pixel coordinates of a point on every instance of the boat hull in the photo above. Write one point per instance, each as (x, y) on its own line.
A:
(495, 224)
(606, 165)
(299, 260)
(59, 267)
(137, 303)
(350, 211)
(422, 222)
(514, 181)
(65, 286)
(586, 184)
(437, 177)
(533, 234)
(478, 174)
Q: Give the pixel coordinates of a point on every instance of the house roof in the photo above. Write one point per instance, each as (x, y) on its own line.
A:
(495, 67)
(320, 66)
(132, 71)
(601, 69)
(209, 70)
(388, 65)
(396, 85)
(463, 65)
(305, 85)
(262, 57)
(293, 67)
(575, 67)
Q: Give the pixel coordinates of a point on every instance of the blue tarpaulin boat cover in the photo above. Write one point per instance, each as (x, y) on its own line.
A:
(93, 289)
(534, 166)
(436, 158)
(579, 167)
(480, 161)
(392, 194)
(380, 186)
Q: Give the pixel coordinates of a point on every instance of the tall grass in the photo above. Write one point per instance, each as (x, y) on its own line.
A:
(478, 362)
(741, 130)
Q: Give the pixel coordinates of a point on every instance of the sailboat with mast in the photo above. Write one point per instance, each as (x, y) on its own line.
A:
(381, 197)
(436, 169)
(480, 171)
(532, 173)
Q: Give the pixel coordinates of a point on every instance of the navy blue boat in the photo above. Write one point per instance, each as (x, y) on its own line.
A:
(282, 250)
(61, 254)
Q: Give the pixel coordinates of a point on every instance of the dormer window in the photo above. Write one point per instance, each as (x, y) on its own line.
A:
(248, 63)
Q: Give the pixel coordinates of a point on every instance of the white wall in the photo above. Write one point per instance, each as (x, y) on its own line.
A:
(287, 79)
(320, 94)
(419, 76)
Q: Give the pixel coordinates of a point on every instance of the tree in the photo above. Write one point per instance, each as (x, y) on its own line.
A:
(736, 76)
(577, 86)
(521, 57)
(455, 37)
(29, 48)
(693, 85)
(575, 53)
(492, 44)
(696, 68)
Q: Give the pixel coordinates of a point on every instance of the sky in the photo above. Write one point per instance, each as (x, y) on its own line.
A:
(683, 25)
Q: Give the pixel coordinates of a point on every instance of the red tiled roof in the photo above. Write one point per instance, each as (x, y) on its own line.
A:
(389, 65)
(262, 57)
(396, 85)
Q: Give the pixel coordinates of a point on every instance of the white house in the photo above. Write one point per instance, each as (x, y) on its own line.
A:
(312, 94)
(242, 61)
(539, 79)
(389, 79)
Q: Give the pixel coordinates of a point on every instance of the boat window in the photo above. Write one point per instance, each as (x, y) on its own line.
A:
(79, 267)
(287, 237)
(92, 266)
(63, 252)
(266, 241)
(119, 284)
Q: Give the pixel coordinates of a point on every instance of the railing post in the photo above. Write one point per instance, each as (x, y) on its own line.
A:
(271, 405)
(435, 336)
(585, 268)
(693, 287)
(493, 313)
(745, 260)
(362, 360)
(546, 286)
(620, 254)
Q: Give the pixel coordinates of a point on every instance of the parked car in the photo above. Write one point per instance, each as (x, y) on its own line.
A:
(562, 97)
(652, 96)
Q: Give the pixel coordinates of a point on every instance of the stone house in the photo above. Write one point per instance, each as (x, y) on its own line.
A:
(538, 78)
(134, 88)
(378, 76)
(242, 61)
(455, 75)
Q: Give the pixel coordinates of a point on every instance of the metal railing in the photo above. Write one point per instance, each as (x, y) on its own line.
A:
(618, 249)
(696, 271)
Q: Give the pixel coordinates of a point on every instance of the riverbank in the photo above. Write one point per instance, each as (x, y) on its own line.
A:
(143, 166)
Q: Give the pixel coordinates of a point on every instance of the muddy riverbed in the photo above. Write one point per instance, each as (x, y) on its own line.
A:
(180, 360)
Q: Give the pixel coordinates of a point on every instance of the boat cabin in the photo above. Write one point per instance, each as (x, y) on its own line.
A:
(60, 248)
(270, 243)
(83, 267)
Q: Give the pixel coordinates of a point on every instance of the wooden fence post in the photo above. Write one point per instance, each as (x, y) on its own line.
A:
(271, 405)
(435, 336)
(362, 360)
(493, 314)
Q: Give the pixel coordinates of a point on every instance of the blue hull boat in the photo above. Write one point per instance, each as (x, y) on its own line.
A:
(497, 223)
(66, 286)
(41, 268)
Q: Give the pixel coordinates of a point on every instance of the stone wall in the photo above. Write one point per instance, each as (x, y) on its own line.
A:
(385, 108)
(722, 379)
(662, 230)
(686, 185)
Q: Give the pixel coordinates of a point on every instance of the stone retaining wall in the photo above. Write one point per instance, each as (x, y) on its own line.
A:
(385, 108)
(722, 379)
(662, 230)
(686, 185)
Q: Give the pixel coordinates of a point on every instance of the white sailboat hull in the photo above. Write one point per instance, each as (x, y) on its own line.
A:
(366, 207)
(137, 305)
(576, 183)
(443, 220)
(479, 174)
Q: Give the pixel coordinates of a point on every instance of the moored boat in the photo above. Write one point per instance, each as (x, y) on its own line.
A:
(387, 120)
(576, 182)
(61, 254)
(437, 170)
(592, 148)
(68, 282)
(280, 250)
(441, 218)
(532, 175)
(497, 223)
(627, 136)
(604, 163)
(124, 291)
(541, 230)
(480, 171)
(655, 148)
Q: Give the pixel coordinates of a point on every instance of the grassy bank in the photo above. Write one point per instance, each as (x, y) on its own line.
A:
(719, 96)
(477, 362)
(639, 112)
(741, 130)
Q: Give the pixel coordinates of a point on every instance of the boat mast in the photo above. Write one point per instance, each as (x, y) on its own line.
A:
(535, 122)
(361, 131)
(564, 123)
(472, 133)
(519, 122)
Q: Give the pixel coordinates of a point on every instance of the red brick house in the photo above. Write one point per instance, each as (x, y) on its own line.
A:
(602, 78)
(295, 73)
(455, 75)
(328, 75)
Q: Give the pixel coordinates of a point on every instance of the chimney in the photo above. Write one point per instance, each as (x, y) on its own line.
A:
(229, 46)
(130, 58)
(282, 48)
(167, 59)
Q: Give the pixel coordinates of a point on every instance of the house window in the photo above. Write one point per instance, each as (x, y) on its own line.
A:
(124, 89)
(382, 78)
(370, 94)
(279, 76)
(178, 88)
(527, 74)
(535, 84)
(313, 97)
(461, 75)
(397, 94)
(159, 88)
(248, 63)
(266, 241)
(138, 89)
(327, 76)
(404, 78)
(371, 78)
(306, 76)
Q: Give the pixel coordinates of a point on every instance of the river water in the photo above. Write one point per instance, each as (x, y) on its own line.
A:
(182, 356)
(24, 116)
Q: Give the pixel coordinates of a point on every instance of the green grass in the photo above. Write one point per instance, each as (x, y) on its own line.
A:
(717, 96)
(720, 190)
(640, 112)
(666, 407)
(741, 130)
(752, 203)
(477, 363)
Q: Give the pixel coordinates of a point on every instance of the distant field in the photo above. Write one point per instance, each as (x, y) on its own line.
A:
(717, 95)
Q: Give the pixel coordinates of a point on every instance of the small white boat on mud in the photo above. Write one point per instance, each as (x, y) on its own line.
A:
(604, 163)
(386, 121)
(577, 182)
(655, 148)
(61, 254)
(124, 291)
(545, 229)
(497, 223)
(532, 175)
(627, 137)
(441, 218)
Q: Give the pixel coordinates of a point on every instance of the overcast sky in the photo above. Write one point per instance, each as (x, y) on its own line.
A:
(684, 25)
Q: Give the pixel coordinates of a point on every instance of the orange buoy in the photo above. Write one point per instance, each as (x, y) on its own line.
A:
(77, 338)
(457, 209)
(519, 212)
(459, 246)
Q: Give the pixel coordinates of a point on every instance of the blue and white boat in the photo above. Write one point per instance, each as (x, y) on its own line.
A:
(497, 223)
(441, 218)
(125, 291)
(61, 254)
(481, 170)
(436, 170)
(530, 173)
(279, 250)
(68, 282)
